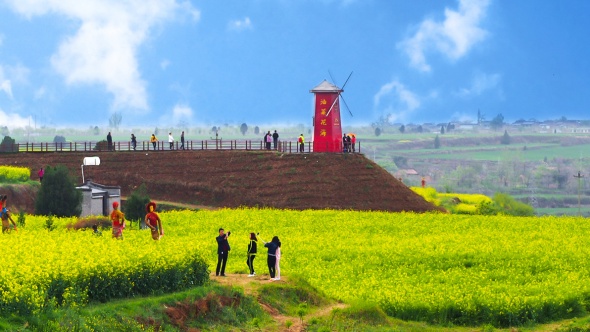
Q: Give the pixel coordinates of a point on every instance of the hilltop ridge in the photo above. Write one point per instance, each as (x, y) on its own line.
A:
(243, 178)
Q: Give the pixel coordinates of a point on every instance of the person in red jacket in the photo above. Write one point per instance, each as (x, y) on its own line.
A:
(152, 220)
(118, 219)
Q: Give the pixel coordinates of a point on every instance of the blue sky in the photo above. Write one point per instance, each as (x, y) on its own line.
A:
(171, 62)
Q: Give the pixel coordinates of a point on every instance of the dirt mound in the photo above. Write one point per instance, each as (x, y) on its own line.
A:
(21, 197)
(243, 178)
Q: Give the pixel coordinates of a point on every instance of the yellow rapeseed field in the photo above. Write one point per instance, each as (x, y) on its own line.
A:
(433, 267)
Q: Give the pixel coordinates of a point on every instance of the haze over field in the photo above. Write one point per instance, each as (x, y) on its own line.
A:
(170, 62)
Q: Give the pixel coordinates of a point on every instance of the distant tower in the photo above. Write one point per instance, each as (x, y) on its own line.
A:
(327, 128)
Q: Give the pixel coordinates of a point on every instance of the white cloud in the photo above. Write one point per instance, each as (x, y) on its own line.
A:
(14, 120)
(481, 82)
(104, 48)
(395, 100)
(454, 37)
(181, 113)
(5, 84)
(240, 25)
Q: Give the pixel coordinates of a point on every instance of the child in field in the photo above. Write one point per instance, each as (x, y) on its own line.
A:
(118, 219)
(152, 220)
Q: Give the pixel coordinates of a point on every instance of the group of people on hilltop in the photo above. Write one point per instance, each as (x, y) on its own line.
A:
(271, 138)
(349, 143)
(273, 255)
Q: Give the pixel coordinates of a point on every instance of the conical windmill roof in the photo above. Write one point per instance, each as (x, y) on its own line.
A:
(326, 86)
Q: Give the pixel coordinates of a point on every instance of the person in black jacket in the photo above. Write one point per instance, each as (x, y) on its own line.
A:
(275, 139)
(272, 259)
(252, 250)
(222, 252)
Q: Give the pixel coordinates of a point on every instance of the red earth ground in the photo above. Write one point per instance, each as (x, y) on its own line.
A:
(236, 178)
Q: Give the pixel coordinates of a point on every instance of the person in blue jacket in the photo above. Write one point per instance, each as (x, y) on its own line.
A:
(272, 258)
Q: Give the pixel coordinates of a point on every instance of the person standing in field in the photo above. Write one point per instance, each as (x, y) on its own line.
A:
(353, 142)
(118, 220)
(272, 258)
(278, 256)
(222, 252)
(275, 139)
(154, 140)
(41, 173)
(182, 141)
(152, 220)
(301, 141)
(252, 250)
(5, 216)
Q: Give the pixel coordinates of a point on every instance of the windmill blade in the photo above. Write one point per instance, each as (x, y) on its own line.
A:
(345, 104)
(332, 77)
(346, 81)
(331, 107)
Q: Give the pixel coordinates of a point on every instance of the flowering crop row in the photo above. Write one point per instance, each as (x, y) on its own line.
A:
(13, 174)
(41, 269)
(434, 267)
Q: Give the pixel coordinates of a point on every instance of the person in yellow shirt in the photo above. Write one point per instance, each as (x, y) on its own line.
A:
(301, 142)
(153, 140)
(118, 219)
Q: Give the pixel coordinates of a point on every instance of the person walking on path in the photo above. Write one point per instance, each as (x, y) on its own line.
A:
(154, 140)
(182, 141)
(41, 173)
(272, 258)
(152, 220)
(171, 141)
(118, 219)
(275, 139)
(133, 142)
(301, 141)
(222, 252)
(109, 141)
(252, 250)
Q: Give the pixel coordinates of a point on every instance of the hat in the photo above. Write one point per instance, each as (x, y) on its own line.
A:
(147, 207)
(115, 205)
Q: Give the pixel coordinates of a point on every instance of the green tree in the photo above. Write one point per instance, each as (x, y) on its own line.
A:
(256, 130)
(59, 139)
(402, 129)
(244, 128)
(134, 207)
(497, 122)
(505, 138)
(442, 130)
(8, 145)
(115, 120)
(377, 131)
(437, 142)
(58, 195)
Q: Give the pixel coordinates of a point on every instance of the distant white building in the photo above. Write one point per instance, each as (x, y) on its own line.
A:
(97, 199)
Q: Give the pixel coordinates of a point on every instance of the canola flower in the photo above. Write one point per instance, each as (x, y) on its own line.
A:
(438, 268)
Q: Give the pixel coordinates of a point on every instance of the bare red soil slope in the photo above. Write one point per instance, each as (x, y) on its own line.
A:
(242, 178)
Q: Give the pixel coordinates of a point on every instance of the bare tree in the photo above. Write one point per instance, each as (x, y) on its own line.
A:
(115, 120)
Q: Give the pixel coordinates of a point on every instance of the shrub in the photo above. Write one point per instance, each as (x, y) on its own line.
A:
(134, 208)
(58, 194)
(8, 145)
(510, 206)
(59, 139)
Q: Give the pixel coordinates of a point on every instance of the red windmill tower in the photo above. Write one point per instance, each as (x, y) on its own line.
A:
(327, 132)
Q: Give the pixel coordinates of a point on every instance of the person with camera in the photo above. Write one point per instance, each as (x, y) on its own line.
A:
(252, 250)
(222, 252)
